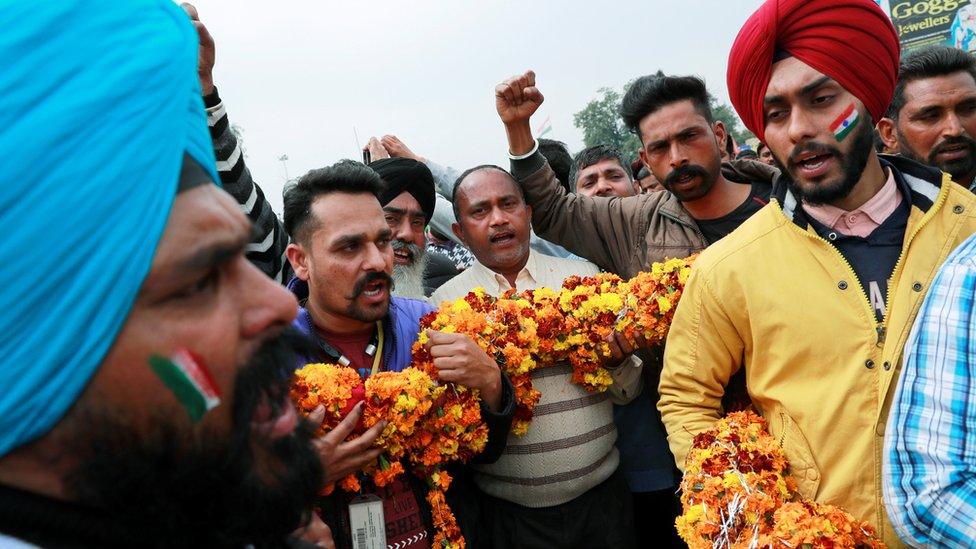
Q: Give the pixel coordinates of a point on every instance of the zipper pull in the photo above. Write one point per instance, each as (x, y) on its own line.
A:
(881, 335)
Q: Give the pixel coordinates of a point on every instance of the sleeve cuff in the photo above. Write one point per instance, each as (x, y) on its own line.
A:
(507, 408)
(535, 147)
(212, 99)
(524, 167)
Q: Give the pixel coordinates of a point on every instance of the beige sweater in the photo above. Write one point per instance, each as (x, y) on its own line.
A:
(569, 447)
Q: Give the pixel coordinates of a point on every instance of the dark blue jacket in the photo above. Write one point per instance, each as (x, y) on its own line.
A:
(403, 325)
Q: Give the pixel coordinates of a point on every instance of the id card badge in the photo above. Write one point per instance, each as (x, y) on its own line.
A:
(366, 523)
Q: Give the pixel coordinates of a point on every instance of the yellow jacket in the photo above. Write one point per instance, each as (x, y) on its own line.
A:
(781, 301)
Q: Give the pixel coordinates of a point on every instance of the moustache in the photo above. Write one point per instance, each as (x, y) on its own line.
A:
(680, 172)
(814, 148)
(266, 377)
(357, 290)
(952, 142)
(415, 251)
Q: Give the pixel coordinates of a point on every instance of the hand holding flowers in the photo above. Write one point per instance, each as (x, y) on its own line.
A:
(458, 359)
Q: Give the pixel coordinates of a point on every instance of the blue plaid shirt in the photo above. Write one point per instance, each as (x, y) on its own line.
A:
(930, 448)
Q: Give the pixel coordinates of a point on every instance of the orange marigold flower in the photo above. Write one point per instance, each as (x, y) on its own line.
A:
(736, 492)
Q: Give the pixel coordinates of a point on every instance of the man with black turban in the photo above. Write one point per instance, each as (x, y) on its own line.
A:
(814, 296)
(143, 401)
(408, 204)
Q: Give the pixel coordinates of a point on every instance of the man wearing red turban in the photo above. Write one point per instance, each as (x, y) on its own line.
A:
(815, 295)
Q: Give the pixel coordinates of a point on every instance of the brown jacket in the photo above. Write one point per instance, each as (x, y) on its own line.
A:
(621, 235)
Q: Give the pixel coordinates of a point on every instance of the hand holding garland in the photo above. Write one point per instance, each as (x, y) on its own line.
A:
(458, 359)
(341, 457)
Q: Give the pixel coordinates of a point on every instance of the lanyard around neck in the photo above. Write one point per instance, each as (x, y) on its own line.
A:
(374, 349)
(379, 348)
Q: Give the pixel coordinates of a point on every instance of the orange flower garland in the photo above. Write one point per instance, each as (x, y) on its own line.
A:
(428, 425)
(532, 328)
(332, 388)
(736, 492)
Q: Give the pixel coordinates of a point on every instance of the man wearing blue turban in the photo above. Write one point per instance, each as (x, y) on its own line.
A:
(142, 400)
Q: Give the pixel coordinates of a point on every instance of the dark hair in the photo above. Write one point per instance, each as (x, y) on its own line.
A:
(760, 147)
(597, 153)
(345, 176)
(746, 153)
(559, 159)
(649, 93)
(481, 168)
(729, 145)
(928, 62)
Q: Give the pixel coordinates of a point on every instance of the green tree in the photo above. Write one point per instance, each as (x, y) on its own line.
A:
(729, 119)
(601, 123)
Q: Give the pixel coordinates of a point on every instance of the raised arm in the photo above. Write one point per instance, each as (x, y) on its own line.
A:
(606, 231)
(444, 176)
(267, 248)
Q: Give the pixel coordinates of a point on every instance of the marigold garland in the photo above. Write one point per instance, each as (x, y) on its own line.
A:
(737, 492)
(432, 424)
(527, 330)
(428, 426)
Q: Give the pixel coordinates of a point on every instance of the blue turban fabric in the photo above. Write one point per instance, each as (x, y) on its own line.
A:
(99, 102)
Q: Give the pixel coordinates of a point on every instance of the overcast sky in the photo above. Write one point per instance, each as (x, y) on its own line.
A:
(299, 75)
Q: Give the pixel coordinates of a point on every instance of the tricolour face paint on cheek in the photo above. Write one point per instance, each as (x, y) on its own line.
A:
(186, 375)
(844, 124)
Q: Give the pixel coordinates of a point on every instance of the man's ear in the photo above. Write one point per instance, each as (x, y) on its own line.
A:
(642, 154)
(718, 128)
(888, 130)
(299, 260)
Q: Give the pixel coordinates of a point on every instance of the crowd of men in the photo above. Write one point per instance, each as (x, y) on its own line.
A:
(145, 365)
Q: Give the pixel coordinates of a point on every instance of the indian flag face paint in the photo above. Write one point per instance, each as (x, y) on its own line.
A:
(845, 123)
(187, 377)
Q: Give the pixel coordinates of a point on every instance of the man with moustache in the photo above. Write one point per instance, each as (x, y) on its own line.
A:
(408, 205)
(624, 235)
(445, 177)
(408, 201)
(342, 255)
(845, 250)
(559, 484)
(932, 117)
(145, 398)
(682, 148)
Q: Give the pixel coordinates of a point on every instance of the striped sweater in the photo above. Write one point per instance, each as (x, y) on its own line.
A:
(267, 249)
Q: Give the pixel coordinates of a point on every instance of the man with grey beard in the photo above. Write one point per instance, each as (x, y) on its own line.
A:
(408, 205)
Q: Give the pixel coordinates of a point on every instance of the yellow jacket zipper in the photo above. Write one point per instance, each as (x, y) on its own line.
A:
(881, 328)
(860, 288)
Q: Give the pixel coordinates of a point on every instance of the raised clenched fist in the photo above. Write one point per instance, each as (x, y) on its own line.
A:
(207, 53)
(517, 98)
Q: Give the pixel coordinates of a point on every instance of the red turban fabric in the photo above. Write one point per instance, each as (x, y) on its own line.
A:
(851, 41)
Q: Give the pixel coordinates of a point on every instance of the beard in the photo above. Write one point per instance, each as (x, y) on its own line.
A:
(706, 178)
(852, 166)
(175, 487)
(409, 279)
(960, 169)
